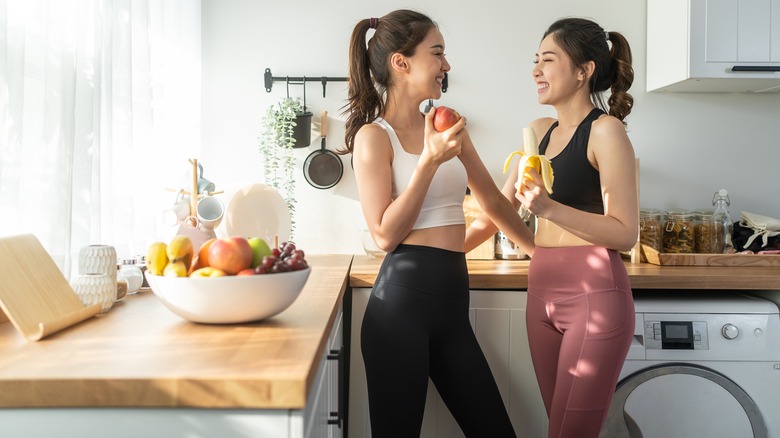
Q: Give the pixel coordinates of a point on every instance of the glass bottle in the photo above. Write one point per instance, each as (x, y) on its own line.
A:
(721, 216)
(678, 233)
(706, 232)
(650, 228)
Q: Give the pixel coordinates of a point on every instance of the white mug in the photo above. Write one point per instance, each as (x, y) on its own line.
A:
(177, 212)
(211, 210)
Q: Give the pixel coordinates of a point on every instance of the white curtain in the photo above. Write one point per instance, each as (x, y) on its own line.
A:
(99, 103)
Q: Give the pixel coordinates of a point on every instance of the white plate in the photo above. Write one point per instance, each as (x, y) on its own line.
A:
(258, 210)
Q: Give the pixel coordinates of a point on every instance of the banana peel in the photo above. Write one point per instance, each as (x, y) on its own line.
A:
(530, 158)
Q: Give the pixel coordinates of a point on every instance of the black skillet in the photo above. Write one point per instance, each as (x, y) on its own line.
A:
(323, 168)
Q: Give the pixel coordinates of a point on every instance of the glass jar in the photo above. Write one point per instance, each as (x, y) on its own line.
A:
(706, 232)
(678, 232)
(141, 262)
(650, 228)
(131, 273)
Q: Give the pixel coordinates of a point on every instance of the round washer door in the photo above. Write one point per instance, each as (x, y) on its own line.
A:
(682, 400)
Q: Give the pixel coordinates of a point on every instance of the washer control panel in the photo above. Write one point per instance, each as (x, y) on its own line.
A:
(676, 335)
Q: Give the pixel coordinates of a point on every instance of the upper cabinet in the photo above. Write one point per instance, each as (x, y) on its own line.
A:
(713, 45)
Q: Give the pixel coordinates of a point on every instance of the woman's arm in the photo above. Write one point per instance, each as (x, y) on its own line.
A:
(390, 220)
(496, 206)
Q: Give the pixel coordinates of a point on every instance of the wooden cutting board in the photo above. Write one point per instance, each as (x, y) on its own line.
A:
(34, 294)
(669, 259)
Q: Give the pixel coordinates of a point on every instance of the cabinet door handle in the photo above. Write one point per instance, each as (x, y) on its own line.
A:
(338, 416)
(755, 68)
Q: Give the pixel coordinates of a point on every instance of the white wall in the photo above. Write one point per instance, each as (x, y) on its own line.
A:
(689, 145)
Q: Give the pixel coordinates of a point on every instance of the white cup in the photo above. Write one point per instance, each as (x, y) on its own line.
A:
(177, 212)
(210, 213)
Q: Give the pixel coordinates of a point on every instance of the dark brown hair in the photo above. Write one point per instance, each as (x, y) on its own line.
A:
(369, 69)
(583, 40)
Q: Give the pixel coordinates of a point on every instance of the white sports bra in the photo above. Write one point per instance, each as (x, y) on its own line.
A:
(443, 204)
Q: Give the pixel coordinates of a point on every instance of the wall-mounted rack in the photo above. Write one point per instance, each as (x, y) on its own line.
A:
(270, 79)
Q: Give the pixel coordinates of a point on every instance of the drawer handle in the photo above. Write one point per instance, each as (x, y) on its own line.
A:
(755, 68)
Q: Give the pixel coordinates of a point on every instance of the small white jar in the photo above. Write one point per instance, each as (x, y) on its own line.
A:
(132, 274)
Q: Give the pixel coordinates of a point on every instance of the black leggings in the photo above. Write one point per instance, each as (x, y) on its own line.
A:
(417, 326)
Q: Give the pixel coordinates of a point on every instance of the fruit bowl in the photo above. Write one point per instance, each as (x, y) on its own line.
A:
(229, 299)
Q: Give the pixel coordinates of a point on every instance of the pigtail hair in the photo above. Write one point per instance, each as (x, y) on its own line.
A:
(620, 102)
(364, 102)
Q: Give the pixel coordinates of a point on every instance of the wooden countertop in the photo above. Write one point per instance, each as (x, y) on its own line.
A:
(139, 354)
(513, 274)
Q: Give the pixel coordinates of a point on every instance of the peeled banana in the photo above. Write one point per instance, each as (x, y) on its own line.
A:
(530, 158)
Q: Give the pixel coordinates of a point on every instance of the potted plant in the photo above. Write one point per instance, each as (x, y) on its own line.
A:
(277, 140)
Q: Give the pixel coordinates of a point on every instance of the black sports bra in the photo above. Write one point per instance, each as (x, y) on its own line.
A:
(577, 183)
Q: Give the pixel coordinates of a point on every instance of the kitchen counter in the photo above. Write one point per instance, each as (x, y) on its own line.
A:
(513, 274)
(139, 354)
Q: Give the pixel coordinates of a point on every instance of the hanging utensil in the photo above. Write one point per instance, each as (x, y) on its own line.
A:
(323, 168)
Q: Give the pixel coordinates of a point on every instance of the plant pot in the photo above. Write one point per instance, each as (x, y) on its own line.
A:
(302, 130)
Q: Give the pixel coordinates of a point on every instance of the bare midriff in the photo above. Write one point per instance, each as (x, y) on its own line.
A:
(550, 235)
(450, 237)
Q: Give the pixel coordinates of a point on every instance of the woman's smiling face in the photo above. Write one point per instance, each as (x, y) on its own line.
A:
(429, 63)
(555, 76)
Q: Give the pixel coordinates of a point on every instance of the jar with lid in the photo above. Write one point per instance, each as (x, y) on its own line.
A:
(678, 232)
(131, 273)
(706, 232)
(650, 228)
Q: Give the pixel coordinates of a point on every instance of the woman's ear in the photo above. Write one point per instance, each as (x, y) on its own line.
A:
(398, 62)
(586, 71)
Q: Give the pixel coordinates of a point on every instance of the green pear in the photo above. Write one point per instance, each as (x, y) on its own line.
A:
(260, 249)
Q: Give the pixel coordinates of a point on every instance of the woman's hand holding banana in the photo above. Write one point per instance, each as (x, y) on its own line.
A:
(530, 159)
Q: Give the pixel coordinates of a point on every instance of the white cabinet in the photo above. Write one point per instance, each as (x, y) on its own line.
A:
(323, 415)
(713, 45)
(319, 419)
(498, 319)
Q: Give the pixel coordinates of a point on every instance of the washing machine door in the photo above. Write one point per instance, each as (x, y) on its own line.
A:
(682, 400)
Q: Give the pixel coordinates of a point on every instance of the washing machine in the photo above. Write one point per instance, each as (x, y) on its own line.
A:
(703, 365)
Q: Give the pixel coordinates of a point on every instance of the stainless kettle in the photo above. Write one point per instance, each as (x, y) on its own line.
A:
(505, 249)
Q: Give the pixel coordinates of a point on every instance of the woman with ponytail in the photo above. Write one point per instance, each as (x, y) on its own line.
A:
(412, 181)
(580, 315)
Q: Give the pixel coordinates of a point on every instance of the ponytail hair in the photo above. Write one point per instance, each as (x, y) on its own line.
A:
(369, 64)
(584, 41)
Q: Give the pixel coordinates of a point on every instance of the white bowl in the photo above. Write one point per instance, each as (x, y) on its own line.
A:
(229, 299)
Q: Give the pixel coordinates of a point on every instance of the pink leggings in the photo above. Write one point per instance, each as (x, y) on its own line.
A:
(580, 322)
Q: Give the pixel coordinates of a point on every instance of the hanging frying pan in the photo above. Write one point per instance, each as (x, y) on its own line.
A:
(323, 168)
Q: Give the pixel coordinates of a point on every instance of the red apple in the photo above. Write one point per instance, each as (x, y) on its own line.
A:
(444, 118)
(247, 271)
(201, 259)
(230, 254)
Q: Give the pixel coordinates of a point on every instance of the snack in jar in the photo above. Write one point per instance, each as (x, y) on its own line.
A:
(650, 227)
(678, 231)
(707, 232)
